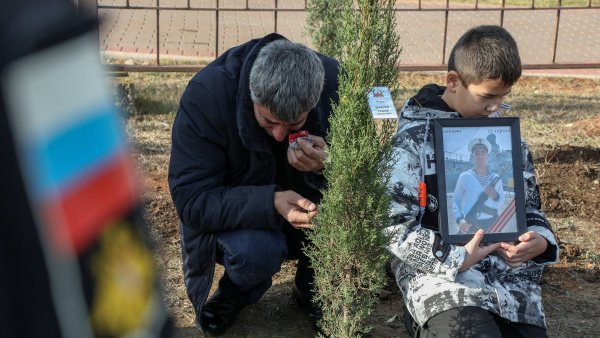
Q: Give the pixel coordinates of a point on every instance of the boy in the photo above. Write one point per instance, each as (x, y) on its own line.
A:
(470, 290)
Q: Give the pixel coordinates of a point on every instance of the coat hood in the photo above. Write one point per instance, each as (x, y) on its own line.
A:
(428, 103)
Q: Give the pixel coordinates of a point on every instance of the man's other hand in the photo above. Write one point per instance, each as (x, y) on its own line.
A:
(297, 210)
(309, 156)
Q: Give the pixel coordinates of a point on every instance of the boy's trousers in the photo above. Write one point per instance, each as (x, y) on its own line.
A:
(470, 321)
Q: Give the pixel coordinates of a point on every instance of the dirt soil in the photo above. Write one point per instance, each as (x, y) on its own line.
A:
(568, 176)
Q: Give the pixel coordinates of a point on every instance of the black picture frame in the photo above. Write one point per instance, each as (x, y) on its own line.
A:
(462, 176)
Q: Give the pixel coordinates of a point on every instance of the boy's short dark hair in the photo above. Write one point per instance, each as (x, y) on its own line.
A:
(486, 52)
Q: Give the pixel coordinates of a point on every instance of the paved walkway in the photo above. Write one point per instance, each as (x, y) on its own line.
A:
(192, 35)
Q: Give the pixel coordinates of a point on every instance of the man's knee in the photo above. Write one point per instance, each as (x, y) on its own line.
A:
(251, 256)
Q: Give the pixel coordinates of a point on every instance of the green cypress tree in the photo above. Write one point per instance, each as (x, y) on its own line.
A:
(348, 241)
(324, 24)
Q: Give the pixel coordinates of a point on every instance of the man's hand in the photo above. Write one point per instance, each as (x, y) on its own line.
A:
(463, 226)
(475, 251)
(297, 210)
(532, 245)
(310, 156)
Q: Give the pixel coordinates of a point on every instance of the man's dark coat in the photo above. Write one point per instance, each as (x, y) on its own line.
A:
(222, 172)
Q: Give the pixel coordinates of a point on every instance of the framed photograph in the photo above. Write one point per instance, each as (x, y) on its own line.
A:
(480, 179)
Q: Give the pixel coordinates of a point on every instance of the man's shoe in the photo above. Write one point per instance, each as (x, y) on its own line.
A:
(302, 289)
(312, 309)
(303, 294)
(219, 312)
(304, 300)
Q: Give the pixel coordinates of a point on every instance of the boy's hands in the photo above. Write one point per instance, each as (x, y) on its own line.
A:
(532, 245)
(297, 210)
(310, 156)
(475, 251)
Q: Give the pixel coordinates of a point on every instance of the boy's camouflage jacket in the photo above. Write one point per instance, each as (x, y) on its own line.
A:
(426, 269)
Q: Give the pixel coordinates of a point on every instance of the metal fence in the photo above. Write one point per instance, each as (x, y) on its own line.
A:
(181, 35)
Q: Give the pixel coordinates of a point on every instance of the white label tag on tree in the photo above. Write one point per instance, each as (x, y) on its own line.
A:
(381, 103)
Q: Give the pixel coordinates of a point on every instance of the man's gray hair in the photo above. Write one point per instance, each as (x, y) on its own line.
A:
(287, 78)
